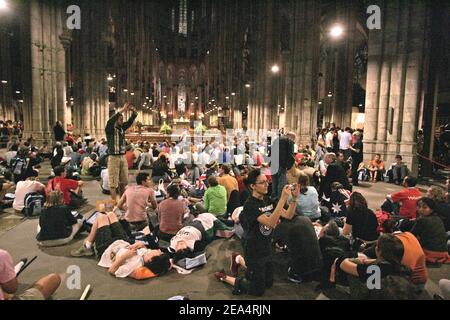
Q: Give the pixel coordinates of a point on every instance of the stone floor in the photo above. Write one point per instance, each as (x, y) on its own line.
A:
(17, 235)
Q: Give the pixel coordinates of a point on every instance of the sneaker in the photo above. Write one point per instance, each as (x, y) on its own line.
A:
(220, 275)
(82, 252)
(234, 267)
(293, 277)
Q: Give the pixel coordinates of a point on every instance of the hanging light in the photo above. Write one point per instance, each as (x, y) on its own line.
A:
(125, 90)
(248, 85)
(3, 5)
(336, 31)
(110, 78)
(4, 81)
(233, 93)
(132, 93)
(275, 68)
(330, 94)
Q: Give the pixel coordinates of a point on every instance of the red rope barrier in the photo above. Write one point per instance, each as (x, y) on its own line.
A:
(439, 164)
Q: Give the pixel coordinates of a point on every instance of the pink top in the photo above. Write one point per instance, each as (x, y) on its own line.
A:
(170, 215)
(7, 272)
(137, 198)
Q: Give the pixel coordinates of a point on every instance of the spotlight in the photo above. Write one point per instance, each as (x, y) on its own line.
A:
(336, 31)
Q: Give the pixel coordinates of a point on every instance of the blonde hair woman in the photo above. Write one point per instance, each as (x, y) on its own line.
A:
(57, 224)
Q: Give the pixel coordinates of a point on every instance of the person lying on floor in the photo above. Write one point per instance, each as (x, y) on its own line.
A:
(116, 252)
(43, 289)
(194, 237)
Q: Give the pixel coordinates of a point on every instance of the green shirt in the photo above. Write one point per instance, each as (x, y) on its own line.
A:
(215, 199)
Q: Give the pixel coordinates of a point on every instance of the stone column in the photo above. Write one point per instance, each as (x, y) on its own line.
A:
(396, 71)
(48, 95)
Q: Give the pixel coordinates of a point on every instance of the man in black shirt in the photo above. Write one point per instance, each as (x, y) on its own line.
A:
(258, 219)
(335, 173)
(357, 157)
(282, 160)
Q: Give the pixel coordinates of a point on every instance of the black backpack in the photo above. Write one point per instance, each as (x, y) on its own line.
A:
(19, 166)
(34, 202)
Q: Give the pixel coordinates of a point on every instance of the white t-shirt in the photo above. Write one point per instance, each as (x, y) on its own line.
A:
(115, 251)
(345, 140)
(187, 234)
(105, 179)
(329, 140)
(22, 189)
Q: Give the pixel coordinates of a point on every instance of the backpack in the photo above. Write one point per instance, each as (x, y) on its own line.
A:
(34, 203)
(19, 166)
(382, 217)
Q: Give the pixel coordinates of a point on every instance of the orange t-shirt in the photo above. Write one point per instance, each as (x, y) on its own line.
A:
(413, 257)
(377, 164)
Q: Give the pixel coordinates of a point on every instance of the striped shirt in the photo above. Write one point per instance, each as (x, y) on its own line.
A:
(115, 135)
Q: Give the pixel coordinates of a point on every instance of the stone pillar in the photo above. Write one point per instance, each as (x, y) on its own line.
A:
(48, 95)
(302, 78)
(396, 71)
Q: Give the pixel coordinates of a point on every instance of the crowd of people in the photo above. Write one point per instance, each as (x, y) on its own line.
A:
(275, 196)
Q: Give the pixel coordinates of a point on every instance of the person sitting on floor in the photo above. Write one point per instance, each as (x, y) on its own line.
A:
(30, 185)
(308, 200)
(442, 206)
(376, 168)
(57, 224)
(413, 256)
(116, 252)
(145, 160)
(406, 199)
(332, 245)
(135, 201)
(130, 156)
(225, 179)
(11, 154)
(161, 169)
(171, 213)
(389, 252)
(71, 189)
(215, 198)
(361, 222)
(399, 170)
(90, 167)
(43, 289)
(430, 231)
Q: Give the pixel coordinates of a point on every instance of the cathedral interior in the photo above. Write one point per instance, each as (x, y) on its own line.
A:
(381, 66)
(246, 64)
